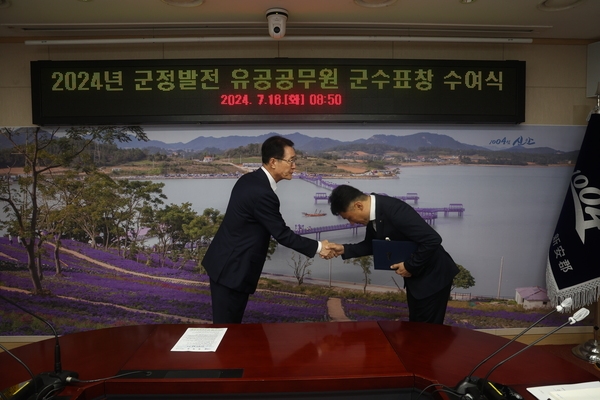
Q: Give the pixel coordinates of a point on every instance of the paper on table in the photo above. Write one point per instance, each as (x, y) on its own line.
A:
(544, 392)
(576, 394)
(200, 339)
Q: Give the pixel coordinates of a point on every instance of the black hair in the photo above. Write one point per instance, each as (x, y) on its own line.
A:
(274, 147)
(342, 196)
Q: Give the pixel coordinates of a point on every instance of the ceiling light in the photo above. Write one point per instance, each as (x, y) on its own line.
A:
(374, 3)
(239, 39)
(558, 5)
(183, 3)
(467, 1)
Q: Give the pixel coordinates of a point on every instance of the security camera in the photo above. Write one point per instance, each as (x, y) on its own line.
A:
(276, 18)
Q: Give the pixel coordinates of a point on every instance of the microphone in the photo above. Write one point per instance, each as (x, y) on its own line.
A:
(578, 316)
(495, 391)
(49, 381)
(469, 381)
(21, 391)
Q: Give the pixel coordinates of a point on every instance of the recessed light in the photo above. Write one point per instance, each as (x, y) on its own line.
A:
(374, 3)
(183, 3)
(467, 1)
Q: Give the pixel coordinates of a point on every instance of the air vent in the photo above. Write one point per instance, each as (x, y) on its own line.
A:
(374, 3)
(183, 3)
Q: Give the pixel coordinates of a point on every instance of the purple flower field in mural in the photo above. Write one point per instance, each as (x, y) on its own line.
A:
(469, 317)
(186, 272)
(61, 312)
(108, 290)
(363, 311)
(129, 293)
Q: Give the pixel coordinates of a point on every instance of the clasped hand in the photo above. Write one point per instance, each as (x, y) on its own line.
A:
(330, 250)
(401, 270)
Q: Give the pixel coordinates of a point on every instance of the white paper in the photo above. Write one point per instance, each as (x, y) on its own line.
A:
(546, 392)
(577, 394)
(200, 339)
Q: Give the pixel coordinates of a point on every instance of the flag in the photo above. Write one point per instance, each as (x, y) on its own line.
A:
(573, 268)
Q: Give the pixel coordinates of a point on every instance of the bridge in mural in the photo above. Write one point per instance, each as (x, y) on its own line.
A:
(303, 230)
(429, 214)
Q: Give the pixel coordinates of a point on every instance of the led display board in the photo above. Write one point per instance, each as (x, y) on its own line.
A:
(138, 92)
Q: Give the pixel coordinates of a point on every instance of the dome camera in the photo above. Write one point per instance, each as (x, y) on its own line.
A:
(277, 17)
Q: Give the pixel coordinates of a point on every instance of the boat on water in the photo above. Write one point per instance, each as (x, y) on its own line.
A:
(315, 214)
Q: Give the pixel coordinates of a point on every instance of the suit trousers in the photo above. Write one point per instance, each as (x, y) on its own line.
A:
(228, 305)
(431, 309)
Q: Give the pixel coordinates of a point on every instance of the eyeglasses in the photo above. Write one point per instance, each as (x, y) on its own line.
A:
(290, 161)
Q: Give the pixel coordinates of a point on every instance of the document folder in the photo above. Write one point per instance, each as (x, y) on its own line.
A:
(388, 252)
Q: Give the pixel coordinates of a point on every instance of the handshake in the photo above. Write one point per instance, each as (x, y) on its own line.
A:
(330, 250)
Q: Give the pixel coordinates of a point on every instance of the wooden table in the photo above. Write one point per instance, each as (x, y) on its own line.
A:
(322, 360)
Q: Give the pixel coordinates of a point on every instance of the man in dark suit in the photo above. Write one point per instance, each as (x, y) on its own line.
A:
(428, 274)
(235, 258)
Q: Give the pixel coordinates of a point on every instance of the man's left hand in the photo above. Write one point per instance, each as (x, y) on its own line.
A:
(400, 270)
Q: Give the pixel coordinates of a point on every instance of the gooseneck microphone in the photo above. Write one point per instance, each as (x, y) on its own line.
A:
(24, 391)
(494, 391)
(566, 304)
(578, 316)
(48, 382)
(470, 382)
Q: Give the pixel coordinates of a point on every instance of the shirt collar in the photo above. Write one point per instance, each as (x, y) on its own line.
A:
(270, 178)
(372, 210)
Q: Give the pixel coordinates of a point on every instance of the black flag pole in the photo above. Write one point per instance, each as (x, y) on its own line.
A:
(590, 350)
(573, 268)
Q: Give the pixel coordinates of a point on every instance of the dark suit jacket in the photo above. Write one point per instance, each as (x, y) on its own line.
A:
(431, 266)
(236, 256)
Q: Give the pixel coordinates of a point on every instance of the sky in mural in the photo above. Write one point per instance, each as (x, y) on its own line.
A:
(564, 138)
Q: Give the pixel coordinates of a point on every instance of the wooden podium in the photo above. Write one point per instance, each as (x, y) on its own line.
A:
(297, 360)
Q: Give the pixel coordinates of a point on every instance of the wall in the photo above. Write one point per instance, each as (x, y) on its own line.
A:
(556, 73)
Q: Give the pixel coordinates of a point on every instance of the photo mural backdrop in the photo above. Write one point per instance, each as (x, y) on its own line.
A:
(501, 236)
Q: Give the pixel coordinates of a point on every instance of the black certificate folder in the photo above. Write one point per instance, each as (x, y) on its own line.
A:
(388, 252)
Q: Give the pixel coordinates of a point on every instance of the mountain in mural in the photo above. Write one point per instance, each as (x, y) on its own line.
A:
(377, 143)
(536, 150)
(419, 140)
(311, 144)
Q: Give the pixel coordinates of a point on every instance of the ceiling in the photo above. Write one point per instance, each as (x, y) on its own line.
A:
(22, 20)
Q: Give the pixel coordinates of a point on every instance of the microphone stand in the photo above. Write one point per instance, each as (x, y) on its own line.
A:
(23, 390)
(495, 391)
(528, 346)
(48, 381)
(483, 388)
(470, 382)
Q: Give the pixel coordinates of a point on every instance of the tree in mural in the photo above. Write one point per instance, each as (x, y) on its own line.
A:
(110, 212)
(365, 263)
(200, 231)
(58, 202)
(137, 195)
(96, 211)
(167, 226)
(45, 152)
(300, 266)
(463, 279)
